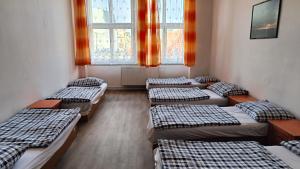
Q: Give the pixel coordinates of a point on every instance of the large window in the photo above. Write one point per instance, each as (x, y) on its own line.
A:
(113, 25)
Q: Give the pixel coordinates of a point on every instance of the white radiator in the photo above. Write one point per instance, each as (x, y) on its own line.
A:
(137, 76)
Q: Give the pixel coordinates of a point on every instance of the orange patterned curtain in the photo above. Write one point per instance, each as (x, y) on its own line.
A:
(82, 49)
(189, 32)
(148, 36)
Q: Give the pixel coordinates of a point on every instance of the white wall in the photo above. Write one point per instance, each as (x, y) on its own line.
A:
(36, 51)
(204, 26)
(268, 68)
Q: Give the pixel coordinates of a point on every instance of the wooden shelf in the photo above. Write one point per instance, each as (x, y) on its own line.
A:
(233, 100)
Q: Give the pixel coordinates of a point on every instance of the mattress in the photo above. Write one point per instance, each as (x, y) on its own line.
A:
(213, 99)
(287, 156)
(86, 106)
(34, 158)
(193, 84)
(248, 128)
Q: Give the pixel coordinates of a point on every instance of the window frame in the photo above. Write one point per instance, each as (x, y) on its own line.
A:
(164, 26)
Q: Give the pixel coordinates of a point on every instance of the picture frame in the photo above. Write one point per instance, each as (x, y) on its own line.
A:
(265, 19)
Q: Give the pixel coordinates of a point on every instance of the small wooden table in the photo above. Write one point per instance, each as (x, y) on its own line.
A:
(233, 100)
(45, 104)
(283, 130)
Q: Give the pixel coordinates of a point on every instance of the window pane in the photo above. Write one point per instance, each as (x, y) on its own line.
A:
(122, 46)
(174, 50)
(121, 11)
(160, 10)
(101, 46)
(100, 11)
(174, 11)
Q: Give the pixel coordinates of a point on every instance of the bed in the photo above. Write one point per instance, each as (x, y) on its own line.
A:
(86, 98)
(192, 96)
(216, 94)
(193, 154)
(45, 134)
(48, 157)
(180, 82)
(247, 128)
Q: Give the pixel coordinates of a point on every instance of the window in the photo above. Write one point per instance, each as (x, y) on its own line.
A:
(112, 31)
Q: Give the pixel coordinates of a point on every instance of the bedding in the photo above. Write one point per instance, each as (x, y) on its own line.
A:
(206, 79)
(293, 145)
(225, 155)
(86, 82)
(38, 157)
(263, 111)
(176, 94)
(168, 81)
(9, 155)
(36, 127)
(227, 89)
(188, 116)
(76, 94)
(248, 128)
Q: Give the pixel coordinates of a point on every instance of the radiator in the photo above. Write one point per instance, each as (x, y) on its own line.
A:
(137, 76)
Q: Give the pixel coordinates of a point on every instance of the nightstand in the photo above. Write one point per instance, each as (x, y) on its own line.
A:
(233, 100)
(46, 104)
(283, 130)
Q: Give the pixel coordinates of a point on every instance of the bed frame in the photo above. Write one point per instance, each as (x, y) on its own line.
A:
(88, 115)
(52, 162)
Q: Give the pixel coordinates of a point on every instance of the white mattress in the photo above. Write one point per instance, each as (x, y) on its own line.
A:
(85, 108)
(213, 99)
(35, 158)
(193, 84)
(287, 156)
(248, 128)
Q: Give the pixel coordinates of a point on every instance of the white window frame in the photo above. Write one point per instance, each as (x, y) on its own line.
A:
(164, 26)
(111, 27)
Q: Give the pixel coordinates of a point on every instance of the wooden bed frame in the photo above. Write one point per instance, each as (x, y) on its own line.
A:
(52, 162)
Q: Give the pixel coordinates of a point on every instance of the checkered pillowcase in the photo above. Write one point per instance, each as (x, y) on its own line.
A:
(293, 146)
(9, 155)
(86, 82)
(263, 111)
(206, 79)
(227, 89)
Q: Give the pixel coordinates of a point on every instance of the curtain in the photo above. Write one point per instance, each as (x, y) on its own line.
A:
(82, 50)
(148, 34)
(189, 32)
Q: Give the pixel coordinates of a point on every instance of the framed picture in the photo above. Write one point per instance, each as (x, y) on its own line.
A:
(265, 20)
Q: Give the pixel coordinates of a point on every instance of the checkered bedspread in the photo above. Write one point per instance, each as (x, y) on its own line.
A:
(176, 94)
(223, 155)
(76, 94)
(185, 116)
(36, 127)
(169, 81)
(9, 155)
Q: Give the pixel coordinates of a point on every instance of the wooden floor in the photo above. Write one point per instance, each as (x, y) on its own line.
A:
(115, 137)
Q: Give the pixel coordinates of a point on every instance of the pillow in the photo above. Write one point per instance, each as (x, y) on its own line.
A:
(206, 79)
(263, 111)
(86, 82)
(227, 89)
(293, 146)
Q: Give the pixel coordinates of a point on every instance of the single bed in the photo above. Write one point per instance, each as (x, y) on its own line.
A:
(216, 94)
(248, 128)
(47, 157)
(275, 156)
(175, 82)
(171, 96)
(87, 103)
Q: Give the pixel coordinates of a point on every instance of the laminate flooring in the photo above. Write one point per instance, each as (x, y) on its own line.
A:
(115, 137)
